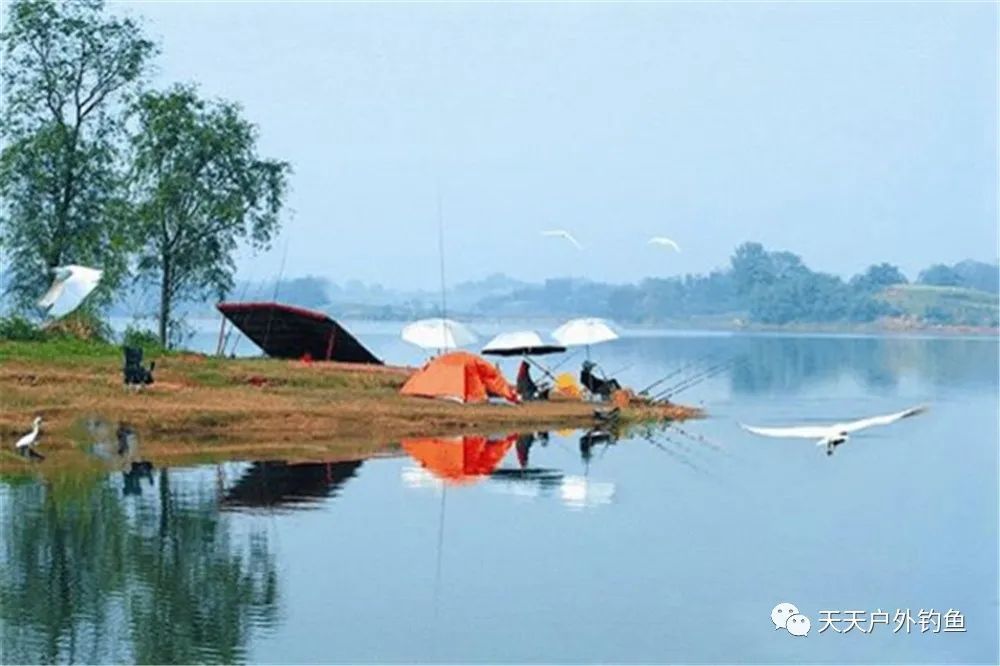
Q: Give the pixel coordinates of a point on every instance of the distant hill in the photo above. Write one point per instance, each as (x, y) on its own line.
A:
(956, 306)
(969, 274)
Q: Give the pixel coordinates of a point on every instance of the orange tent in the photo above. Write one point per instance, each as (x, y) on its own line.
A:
(459, 460)
(459, 376)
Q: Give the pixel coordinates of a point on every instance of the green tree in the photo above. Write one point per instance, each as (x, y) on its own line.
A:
(69, 67)
(940, 275)
(752, 266)
(201, 189)
(877, 277)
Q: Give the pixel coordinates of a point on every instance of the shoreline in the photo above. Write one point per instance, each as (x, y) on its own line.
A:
(205, 408)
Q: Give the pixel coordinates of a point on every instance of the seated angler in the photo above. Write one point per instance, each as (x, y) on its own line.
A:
(599, 386)
(526, 386)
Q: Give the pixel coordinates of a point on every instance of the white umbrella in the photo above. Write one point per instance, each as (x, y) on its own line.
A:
(587, 331)
(522, 343)
(71, 286)
(438, 333)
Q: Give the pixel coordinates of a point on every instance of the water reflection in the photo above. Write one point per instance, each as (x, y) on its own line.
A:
(133, 477)
(180, 565)
(280, 484)
(580, 491)
(90, 573)
(791, 363)
(121, 450)
(458, 460)
(440, 463)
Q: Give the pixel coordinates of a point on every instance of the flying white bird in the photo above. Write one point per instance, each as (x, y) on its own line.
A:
(562, 233)
(837, 433)
(32, 437)
(665, 242)
(71, 286)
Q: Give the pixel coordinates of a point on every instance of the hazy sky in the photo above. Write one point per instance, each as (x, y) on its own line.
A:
(846, 132)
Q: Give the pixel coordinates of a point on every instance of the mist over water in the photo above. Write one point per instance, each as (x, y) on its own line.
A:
(668, 545)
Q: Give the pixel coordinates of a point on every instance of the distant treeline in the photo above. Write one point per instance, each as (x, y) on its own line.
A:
(764, 287)
(757, 287)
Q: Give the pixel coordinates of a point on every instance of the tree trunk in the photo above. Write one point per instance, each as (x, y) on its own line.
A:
(165, 302)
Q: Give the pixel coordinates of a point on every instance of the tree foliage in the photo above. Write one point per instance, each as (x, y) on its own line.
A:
(878, 277)
(200, 190)
(69, 70)
(767, 287)
(940, 275)
(968, 274)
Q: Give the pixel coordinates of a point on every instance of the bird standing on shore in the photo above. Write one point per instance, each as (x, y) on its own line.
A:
(25, 444)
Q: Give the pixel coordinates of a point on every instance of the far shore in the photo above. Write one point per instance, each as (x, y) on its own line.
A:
(901, 327)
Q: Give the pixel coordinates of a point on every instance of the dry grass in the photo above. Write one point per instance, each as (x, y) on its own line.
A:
(206, 408)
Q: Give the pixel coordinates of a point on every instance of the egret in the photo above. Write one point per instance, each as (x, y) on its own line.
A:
(663, 241)
(72, 284)
(835, 434)
(29, 440)
(562, 233)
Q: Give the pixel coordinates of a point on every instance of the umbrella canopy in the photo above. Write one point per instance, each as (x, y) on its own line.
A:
(522, 343)
(72, 284)
(438, 333)
(589, 331)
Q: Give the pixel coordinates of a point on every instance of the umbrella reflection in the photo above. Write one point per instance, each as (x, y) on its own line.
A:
(281, 484)
(579, 492)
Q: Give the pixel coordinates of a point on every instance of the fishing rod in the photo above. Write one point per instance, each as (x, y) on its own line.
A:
(694, 379)
(622, 369)
(675, 455)
(277, 286)
(698, 380)
(729, 365)
(698, 438)
(564, 360)
(221, 351)
(685, 380)
(682, 368)
(538, 365)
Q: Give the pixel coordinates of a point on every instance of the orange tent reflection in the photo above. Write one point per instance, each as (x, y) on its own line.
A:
(459, 460)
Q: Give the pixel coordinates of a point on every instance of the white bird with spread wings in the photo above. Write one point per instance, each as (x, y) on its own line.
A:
(72, 284)
(562, 233)
(663, 241)
(837, 433)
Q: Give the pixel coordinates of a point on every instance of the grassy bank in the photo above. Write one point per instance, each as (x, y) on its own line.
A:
(208, 408)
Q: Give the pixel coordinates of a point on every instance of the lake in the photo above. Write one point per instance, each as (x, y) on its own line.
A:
(671, 545)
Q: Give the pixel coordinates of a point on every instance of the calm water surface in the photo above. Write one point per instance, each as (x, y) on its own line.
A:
(666, 546)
